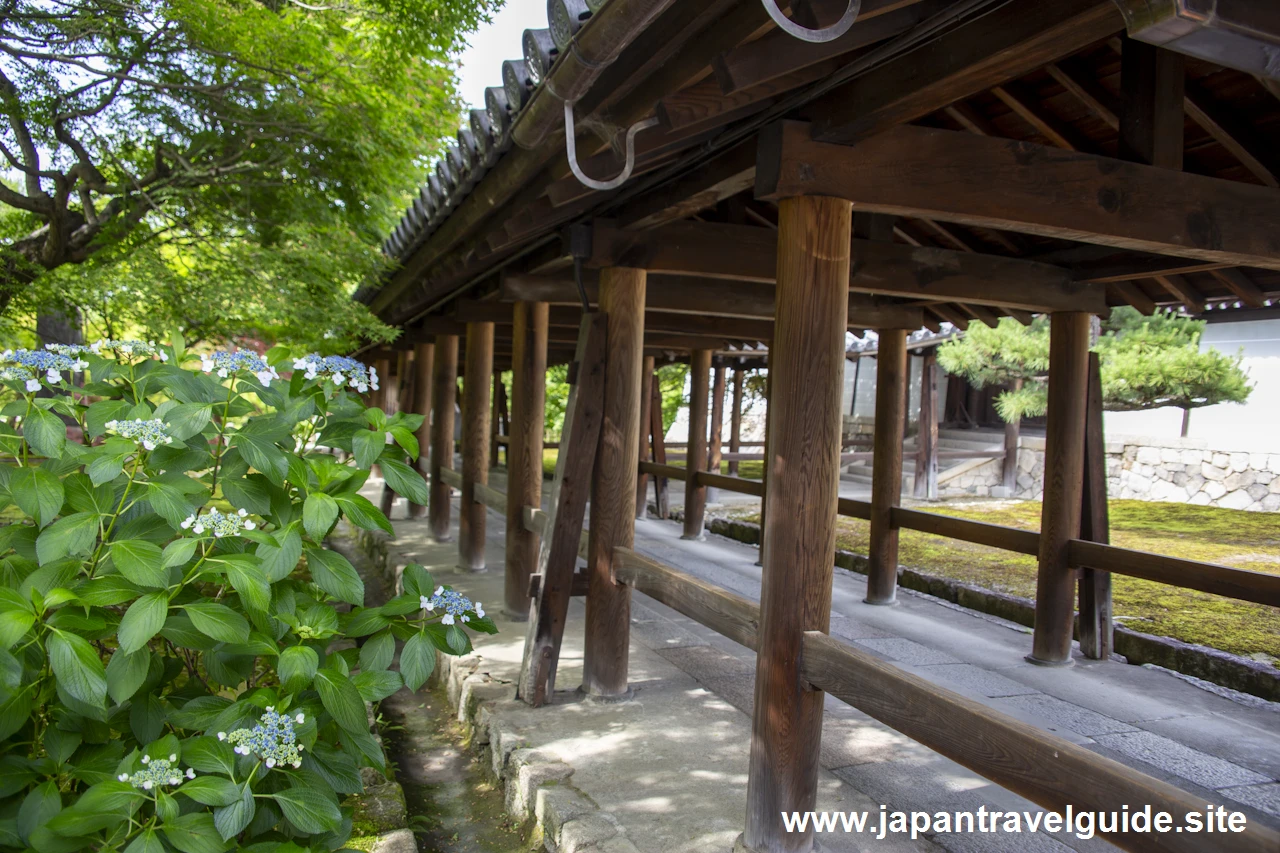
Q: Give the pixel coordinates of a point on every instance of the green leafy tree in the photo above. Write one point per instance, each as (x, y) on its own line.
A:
(175, 671)
(1146, 363)
(170, 145)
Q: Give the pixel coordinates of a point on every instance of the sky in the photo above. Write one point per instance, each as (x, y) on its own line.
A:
(481, 62)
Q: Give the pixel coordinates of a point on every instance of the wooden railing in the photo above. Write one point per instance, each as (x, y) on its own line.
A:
(1242, 584)
(1033, 763)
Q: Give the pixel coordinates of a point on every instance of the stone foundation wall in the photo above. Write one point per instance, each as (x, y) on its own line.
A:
(1188, 471)
(1176, 470)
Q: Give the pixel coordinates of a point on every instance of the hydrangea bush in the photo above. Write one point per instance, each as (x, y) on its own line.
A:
(177, 669)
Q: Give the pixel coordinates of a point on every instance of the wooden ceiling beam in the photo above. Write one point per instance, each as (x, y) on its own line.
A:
(727, 174)
(983, 315)
(1096, 99)
(959, 177)
(1184, 290)
(989, 50)
(1020, 103)
(1240, 284)
(952, 315)
(748, 253)
(779, 54)
(1134, 296)
(1232, 134)
(970, 119)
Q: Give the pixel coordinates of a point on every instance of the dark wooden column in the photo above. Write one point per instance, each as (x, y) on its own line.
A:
(423, 357)
(695, 496)
(735, 418)
(475, 445)
(444, 387)
(1152, 114)
(1095, 622)
(926, 480)
(646, 433)
(524, 453)
(1009, 466)
(496, 405)
(886, 464)
(1063, 486)
(807, 360)
(613, 486)
(717, 419)
(661, 485)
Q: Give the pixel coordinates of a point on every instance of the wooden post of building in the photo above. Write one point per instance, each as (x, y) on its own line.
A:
(735, 418)
(524, 452)
(1009, 465)
(926, 480)
(395, 393)
(807, 360)
(661, 485)
(646, 433)
(423, 356)
(1063, 486)
(695, 460)
(1095, 626)
(613, 487)
(475, 445)
(443, 390)
(495, 417)
(886, 465)
(717, 419)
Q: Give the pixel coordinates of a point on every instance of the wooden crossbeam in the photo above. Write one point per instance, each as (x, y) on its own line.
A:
(993, 183)
(1096, 99)
(1184, 291)
(989, 50)
(664, 293)
(1240, 284)
(747, 253)
(724, 176)
(1253, 153)
(1135, 296)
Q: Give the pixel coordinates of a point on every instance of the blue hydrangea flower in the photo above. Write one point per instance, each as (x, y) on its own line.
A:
(150, 434)
(272, 739)
(219, 524)
(41, 361)
(340, 370)
(454, 604)
(20, 374)
(157, 772)
(129, 349)
(225, 363)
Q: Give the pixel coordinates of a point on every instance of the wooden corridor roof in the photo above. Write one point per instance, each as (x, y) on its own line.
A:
(1038, 82)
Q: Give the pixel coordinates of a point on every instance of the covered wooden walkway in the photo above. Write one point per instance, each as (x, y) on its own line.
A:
(937, 161)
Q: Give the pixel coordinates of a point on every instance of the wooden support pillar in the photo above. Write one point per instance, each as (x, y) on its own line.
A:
(495, 417)
(393, 391)
(661, 485)
(443, 400)
(613, 488)
(475, 445)
(1063, 486)
(886, 465)
(423, 358)
(717, 419)
(646, 433)
(524, 452)
(807, 361)
(926, 480)
(1009, 465)
(735, 417)
(1095, 626)
(1152, 113)
(695, 495)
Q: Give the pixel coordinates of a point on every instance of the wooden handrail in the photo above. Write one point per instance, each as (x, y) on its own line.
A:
(1241, 584)
(491, 497)
(851, 508)
(1029, 761)
(722, 611)
(731, 484)
(669, 471)
(452, 477)
(535, 520)
(978, 532)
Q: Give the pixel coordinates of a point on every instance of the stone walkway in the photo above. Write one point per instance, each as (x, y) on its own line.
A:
(667, 771)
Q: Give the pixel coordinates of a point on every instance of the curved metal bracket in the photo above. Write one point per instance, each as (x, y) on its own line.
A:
(571, 151)
(821, 36)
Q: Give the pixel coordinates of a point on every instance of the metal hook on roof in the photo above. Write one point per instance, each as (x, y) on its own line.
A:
(571, 150)
(819, 36)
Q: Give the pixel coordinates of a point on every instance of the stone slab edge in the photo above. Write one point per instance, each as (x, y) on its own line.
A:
(536, 785)
(1209, 664)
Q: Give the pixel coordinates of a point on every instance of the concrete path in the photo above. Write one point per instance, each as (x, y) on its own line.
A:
(670, 766)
